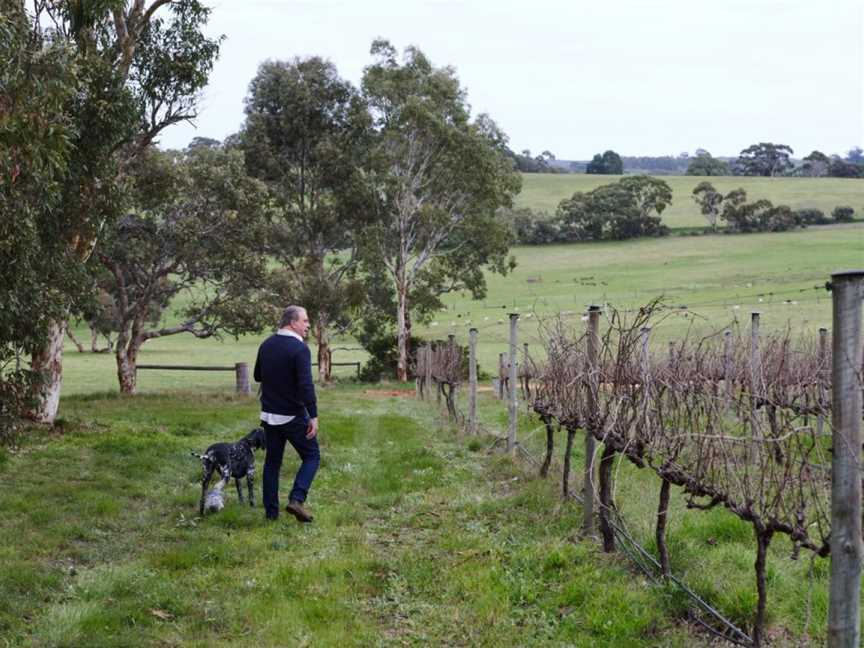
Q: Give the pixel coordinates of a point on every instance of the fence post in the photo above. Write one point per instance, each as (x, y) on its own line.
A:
(823, 373)
(844, 610)
(645, 333)
(727, 365)
(428, 378)
(514, 380)
(451, 353)
(241, 378)
(501, 375)
(755, 377)
(592, 387)
(472, 381)
(439, 348)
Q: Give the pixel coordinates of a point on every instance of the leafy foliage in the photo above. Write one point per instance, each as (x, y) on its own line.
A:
(196, 227)
(607, 164)
(438, 178)
(307, 135)
(126, 73)
(706, 165)
(811, 216)
(38, 76)
(764, 159)
(843, 214)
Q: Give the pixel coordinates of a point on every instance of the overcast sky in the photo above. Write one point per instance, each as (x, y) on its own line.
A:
(642, 77)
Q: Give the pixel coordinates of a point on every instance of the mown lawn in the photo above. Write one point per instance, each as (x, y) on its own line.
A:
(420, 538)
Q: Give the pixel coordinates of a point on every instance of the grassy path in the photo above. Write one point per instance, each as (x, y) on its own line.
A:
(420, 538)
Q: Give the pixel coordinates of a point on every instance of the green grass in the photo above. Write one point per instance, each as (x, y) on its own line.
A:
(720, 278)
(543, 192)
(420, 537)
(418, 540)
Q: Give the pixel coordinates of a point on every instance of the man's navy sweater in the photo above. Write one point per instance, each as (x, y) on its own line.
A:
(284, 369)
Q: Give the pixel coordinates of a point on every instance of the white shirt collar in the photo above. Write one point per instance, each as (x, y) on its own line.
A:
(289, 334)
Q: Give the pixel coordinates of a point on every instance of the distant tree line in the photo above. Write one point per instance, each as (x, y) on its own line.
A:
(524, 162)
(765, 159)
(761, 215)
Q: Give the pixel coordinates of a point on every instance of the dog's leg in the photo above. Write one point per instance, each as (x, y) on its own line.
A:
(250, 484)
(205, 482)
(226, 478)
(239, 490)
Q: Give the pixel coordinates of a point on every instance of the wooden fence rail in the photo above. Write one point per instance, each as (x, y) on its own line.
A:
(240, 369)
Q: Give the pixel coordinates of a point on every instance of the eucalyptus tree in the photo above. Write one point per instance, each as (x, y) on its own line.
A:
(306, 135)
(139, 68)
(38, 77)
(194, 227)
(764, 159)
(439, 177)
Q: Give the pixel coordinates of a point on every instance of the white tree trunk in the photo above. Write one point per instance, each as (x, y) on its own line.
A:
(324, 355)
(127, 367)
(402, 332)
(49, 362)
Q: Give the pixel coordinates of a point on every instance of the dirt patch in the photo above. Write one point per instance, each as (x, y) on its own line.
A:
(389, 393)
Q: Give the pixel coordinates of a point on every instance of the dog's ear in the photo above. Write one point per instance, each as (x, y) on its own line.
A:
(259, 438)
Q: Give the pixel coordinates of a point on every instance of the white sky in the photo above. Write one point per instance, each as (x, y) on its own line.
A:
(577, 77)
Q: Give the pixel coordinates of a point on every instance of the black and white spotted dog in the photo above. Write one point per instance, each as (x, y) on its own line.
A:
(231, 460)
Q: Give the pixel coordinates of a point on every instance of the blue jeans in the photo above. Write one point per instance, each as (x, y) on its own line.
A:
(294, 433)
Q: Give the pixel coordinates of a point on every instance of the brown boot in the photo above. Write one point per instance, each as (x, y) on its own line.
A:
(296, 509)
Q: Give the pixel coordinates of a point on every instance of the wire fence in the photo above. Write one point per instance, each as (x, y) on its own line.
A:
(735, 419)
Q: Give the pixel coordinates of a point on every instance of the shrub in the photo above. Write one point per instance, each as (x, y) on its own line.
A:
(812, 216)
(843, 214)
(17, 390)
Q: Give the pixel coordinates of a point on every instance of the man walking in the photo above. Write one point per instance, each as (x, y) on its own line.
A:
(289, 411)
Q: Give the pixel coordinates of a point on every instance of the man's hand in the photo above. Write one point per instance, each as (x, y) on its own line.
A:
(312, 428)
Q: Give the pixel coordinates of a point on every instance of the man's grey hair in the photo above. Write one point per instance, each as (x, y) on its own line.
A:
(291, 315)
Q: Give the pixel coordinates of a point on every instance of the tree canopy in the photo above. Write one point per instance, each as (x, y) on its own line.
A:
(307, 135)
(704, 164)
(607, 164)
(629, 208)
(138, 68)
(764, 159)
(438, 179)
(196, 226)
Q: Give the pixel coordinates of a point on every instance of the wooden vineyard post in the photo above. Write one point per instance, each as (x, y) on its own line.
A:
(502, 374)
(755, 380)
(439, 348)
(472, 381)
(727, 366)
(592, 388)
(241, 378)
(844, 607)
(823, 373)
(514, 384)
(428, 377)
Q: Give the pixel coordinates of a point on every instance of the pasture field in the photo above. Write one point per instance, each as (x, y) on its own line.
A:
(720, 278)
(543, 191)
(422, 537)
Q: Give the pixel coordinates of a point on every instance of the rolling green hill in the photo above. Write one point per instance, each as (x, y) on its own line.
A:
(543, 191)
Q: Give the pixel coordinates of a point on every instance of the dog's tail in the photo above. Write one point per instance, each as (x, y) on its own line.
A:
(199, 456)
